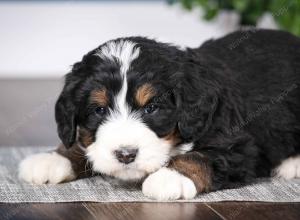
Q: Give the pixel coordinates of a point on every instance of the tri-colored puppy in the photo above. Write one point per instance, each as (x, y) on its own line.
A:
(182, 121)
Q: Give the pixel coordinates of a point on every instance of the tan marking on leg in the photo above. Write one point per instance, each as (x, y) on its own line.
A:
(78, 159)
(194, 166)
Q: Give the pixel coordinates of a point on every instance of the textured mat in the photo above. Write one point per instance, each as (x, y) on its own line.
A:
(104, 189)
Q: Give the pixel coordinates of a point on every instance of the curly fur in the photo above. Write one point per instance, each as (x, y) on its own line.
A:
(238, 106)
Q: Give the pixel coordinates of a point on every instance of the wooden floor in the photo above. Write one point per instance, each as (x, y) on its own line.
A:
(156, 211)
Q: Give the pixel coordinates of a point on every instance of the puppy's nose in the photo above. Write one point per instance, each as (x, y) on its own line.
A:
(126, 154)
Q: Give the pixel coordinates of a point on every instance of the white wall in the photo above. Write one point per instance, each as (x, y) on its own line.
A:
(44, 39)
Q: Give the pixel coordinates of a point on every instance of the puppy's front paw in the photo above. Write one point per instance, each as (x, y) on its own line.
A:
(167, 184)
(289, 168)
(46, 168)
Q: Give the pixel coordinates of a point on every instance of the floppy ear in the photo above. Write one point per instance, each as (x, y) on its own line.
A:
(196, 118)
(65, 116)
(198, 101)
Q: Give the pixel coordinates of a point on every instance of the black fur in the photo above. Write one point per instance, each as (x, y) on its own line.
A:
(237, 100)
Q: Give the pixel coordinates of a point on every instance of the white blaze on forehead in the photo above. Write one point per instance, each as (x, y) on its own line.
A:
(124, 51)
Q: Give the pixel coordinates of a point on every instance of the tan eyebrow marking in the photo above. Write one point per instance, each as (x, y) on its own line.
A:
(144, 94)
(100, 97)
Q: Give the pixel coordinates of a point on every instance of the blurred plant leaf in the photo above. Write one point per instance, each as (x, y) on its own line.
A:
(239, 5)
(286, 13)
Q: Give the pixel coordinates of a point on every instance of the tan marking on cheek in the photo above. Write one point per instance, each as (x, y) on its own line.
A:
(85, 137)
(173, 137)
(144, 94)
(99, 97)
(194, 166)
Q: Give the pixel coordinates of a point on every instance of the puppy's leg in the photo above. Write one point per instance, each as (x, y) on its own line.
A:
(185, 176)
(55, 167)
(46, 168)
(220, 166)
(289, 168)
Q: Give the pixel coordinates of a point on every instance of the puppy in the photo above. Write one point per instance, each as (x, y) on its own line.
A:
(182, 121)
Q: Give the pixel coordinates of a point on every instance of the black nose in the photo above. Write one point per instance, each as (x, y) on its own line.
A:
(126, 155)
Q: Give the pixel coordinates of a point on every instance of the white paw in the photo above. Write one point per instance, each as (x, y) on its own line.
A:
(289, 168)
(46, 168)
(167, 184)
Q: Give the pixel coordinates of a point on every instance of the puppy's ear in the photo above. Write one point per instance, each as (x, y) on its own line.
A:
(66, 121)
(198, 101)
(196, 117)
(65, 115)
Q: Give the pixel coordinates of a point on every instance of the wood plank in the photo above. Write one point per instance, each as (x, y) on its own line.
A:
(41, 211)
(256, 210)
(105, 211)
(146, 211)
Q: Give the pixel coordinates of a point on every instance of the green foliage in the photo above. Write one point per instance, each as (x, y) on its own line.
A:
(285, 12)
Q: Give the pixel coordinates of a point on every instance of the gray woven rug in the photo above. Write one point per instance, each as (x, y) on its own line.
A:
(104, 189)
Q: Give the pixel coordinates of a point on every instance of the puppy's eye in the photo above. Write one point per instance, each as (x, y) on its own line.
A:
(100, 111)
(150, 108)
